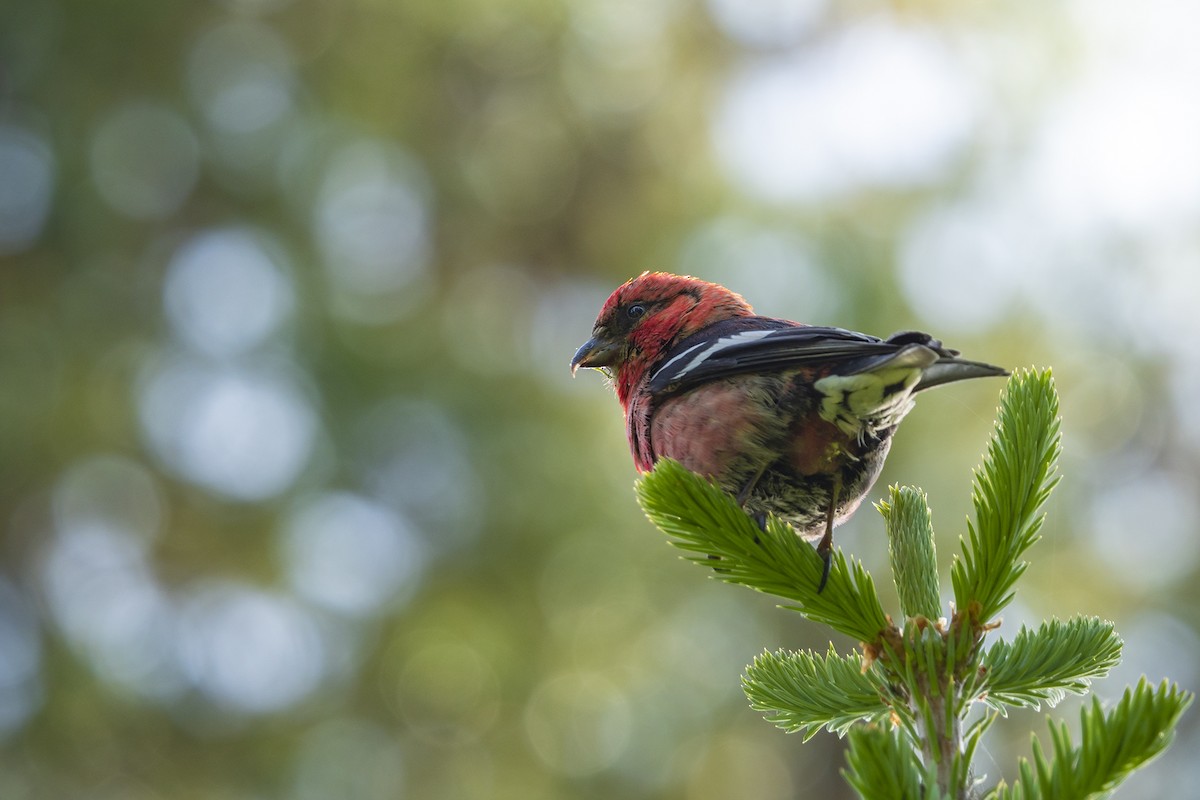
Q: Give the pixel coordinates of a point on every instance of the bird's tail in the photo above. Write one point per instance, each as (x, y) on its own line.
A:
(948, 369)
(944, 365)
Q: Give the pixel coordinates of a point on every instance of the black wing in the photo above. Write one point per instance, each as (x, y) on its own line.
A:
(758, 344)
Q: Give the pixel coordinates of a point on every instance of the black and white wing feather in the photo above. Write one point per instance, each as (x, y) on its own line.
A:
(760, 344)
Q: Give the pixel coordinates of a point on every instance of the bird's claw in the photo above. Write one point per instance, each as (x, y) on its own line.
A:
(825, 546)
(826, 555)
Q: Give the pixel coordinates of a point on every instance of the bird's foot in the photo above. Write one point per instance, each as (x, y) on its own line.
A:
(760, 519)
(825, 551)
(825, 546)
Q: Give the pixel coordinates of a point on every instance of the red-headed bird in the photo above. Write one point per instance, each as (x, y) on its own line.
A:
(791, 419)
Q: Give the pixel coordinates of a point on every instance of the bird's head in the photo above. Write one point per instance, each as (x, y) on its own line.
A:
(644, 317)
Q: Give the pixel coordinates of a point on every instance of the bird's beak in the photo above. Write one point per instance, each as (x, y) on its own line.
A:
(597, 352)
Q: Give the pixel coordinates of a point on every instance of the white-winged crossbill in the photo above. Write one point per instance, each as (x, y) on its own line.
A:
(791, 419)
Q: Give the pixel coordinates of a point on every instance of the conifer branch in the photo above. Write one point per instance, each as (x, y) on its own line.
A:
(708, 524)
(880, 765)
(1111, 746)
(904, 702)
(1057, 659)
(804, 692)
(1018, 474)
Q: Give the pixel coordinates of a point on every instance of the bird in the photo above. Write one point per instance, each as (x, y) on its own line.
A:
(792, 420)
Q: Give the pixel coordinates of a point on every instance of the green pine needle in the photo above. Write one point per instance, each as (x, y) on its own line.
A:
(1047, 664)
(803, 692)
(914, 556)
(1111, 746)
(881, 766)
(1018, 474)
(704, 521)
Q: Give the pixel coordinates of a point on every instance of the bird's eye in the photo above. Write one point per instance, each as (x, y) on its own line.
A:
(635, 311)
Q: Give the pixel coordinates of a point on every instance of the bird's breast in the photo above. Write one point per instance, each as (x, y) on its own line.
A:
(722, 427)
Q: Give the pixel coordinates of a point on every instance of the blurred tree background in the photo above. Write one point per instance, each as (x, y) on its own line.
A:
(299, 500)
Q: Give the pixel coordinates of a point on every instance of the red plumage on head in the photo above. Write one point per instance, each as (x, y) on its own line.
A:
(658, 286)
(676, 306)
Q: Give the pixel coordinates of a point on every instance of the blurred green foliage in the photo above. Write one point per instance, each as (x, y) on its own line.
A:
(298, 497)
